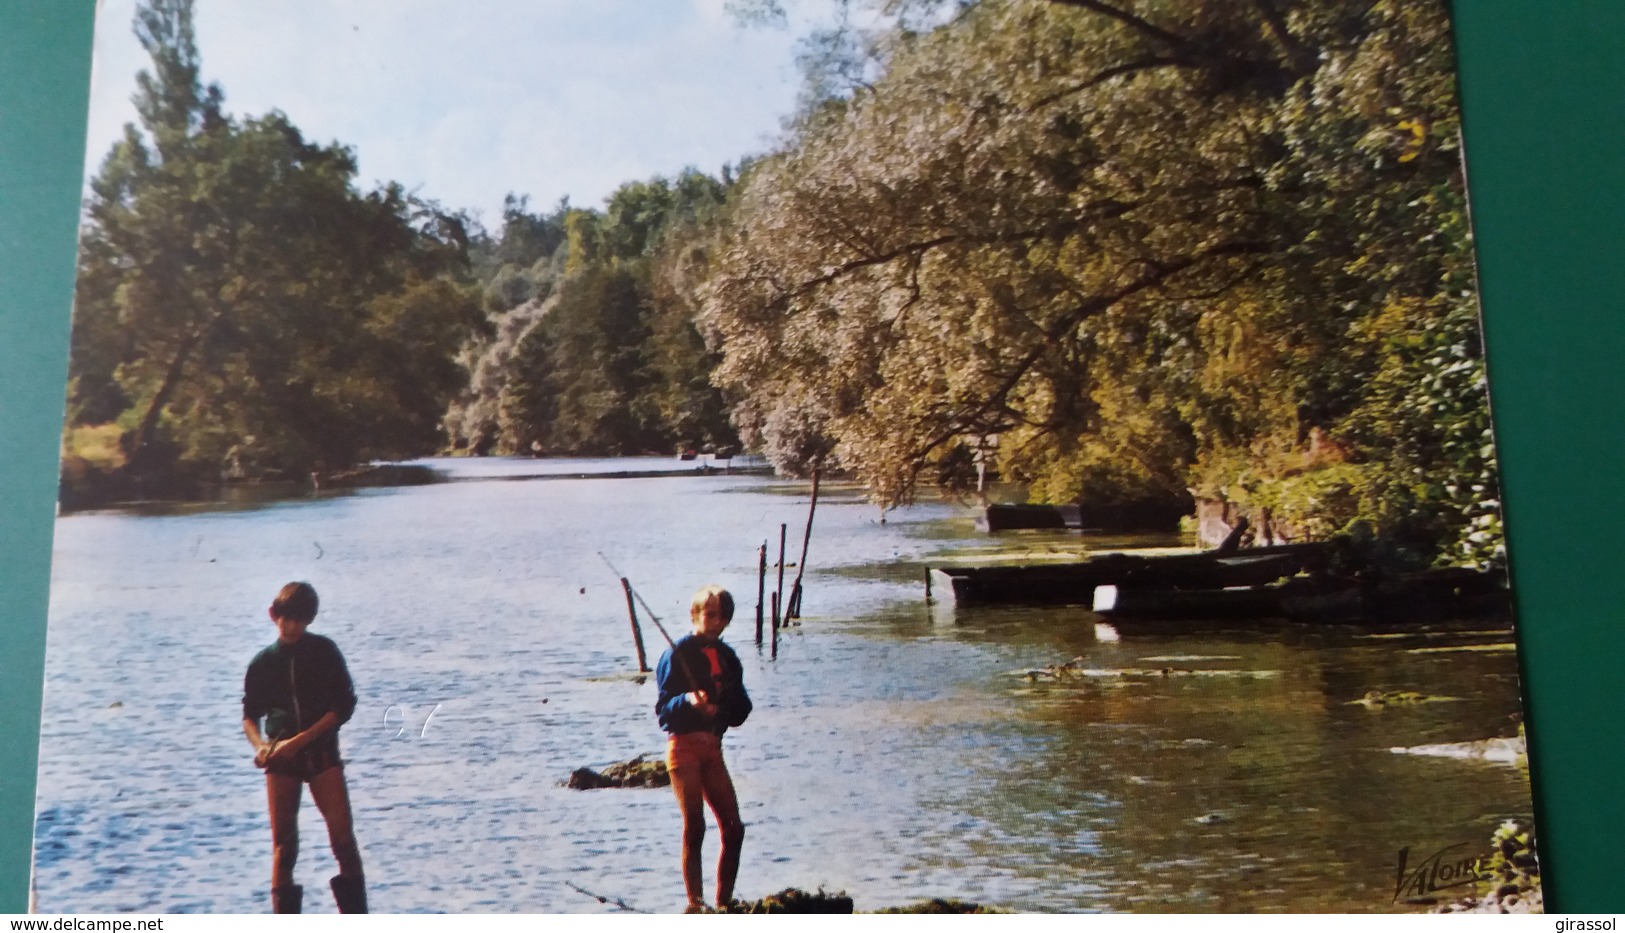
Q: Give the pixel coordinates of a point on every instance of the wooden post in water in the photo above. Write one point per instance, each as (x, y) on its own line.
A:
(780, 588)
(761, 588)
(794, 610)
(774, 655)
(637, 634)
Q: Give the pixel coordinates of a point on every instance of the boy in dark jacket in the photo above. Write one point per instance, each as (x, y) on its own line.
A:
(301, 687)
(702, 695)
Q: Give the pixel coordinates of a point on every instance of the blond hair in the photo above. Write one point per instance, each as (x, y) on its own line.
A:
(725, 603)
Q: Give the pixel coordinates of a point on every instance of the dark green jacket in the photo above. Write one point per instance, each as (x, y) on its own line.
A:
(292, 686)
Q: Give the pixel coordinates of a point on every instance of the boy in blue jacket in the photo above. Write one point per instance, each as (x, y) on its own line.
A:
(702, 695)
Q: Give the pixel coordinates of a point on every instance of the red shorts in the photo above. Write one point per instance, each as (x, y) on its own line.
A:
(694, 752)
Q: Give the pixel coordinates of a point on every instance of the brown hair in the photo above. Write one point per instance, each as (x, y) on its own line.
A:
(725, 602)
(295, 602)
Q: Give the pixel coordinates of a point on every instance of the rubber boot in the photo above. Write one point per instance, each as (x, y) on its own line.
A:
(350, 893)
(287, 900)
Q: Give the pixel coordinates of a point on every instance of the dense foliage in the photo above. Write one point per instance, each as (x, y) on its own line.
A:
(1136, 248)
(244, 311)
(593, 347)
(1123, 249)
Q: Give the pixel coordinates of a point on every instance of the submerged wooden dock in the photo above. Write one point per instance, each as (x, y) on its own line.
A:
(1075, 583)
(1284, 585)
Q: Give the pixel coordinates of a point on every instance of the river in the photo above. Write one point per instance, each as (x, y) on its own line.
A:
(895, 753)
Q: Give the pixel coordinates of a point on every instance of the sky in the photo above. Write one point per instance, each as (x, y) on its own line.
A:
(464, 101)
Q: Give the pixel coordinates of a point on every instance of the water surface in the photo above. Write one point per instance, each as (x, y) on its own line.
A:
(895, 753)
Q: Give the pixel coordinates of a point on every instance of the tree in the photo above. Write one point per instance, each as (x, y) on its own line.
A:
(946, 254)
(242, 309)
(604, 357)
(1146, 245)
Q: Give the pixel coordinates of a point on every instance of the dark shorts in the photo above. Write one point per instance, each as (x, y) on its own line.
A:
(312, 760)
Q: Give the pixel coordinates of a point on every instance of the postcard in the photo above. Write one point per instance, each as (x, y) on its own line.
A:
(994, 455)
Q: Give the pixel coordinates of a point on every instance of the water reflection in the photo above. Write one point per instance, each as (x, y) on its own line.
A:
(895, 753)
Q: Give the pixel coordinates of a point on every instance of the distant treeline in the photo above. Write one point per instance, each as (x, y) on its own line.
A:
(244, 312)
(1121, 250)
(591, 347)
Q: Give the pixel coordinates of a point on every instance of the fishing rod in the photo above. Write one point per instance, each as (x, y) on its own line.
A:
(676, 655)
(605, 899)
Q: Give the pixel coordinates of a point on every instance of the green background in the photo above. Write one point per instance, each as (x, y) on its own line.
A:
(1544, 102)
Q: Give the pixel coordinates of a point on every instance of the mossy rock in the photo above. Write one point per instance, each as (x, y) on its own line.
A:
(941, 905)
(1376, 699)
(634, 773)
(796, 901)
(1509, 882)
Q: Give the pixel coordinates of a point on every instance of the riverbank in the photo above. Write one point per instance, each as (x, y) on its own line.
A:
(116, 492)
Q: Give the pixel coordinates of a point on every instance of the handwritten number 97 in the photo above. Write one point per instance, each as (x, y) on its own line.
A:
(395, 715)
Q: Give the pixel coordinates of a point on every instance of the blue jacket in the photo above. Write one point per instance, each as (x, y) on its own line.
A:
(677, 715)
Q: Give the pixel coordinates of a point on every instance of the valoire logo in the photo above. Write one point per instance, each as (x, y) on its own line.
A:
(1434, 873)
